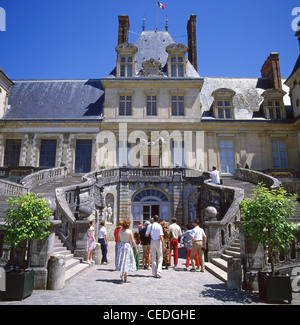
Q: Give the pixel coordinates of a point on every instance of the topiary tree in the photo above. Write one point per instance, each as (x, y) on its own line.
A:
(28, 219)
(265, 219)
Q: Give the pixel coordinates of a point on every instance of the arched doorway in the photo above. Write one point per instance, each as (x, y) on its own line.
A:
(148, 203)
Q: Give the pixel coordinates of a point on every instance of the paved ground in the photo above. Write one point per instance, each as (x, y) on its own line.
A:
(101, 285)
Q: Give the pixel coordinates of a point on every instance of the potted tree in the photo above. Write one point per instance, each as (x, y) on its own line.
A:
(26, 220)
(266, 221)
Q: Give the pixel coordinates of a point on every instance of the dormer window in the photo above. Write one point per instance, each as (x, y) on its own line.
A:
(223, 104)
(176, 61)
(126, 62)
(177, 68)
(126, 65)
(224, 109)
(273, 104)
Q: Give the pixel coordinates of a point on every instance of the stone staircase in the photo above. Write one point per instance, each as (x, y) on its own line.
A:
(218, 266)
(73, 266)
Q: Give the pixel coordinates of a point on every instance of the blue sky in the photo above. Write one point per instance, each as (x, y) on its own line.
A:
(72, 39)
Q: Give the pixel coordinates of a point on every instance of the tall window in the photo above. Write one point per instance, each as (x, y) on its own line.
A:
(279, 154)
(177, 105)
(125, 108)
(48, 153)
(227, 157)
(177, 64)
(275, 109)
(224, 109)
(83, 156)
(126, 64)
(12, 152)
(151, 106)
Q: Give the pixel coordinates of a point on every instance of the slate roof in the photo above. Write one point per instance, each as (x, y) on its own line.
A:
(55, 99)
(152, 45)
(247, 100)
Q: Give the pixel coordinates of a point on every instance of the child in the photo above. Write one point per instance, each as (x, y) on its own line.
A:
(136, 252)
(187, 241)
(91, 242)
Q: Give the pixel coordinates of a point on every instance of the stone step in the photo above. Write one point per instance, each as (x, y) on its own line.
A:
(230, 252)
(220, 263)
(216, 271)
(219, 266)
(76, 270)
(73, 266)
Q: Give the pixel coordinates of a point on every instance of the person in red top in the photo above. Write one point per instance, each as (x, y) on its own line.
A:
(116, 233)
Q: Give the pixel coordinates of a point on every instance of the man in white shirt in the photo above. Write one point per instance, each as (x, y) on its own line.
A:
(155, 231)
(215, 176)
(199, 243)
(176, 233)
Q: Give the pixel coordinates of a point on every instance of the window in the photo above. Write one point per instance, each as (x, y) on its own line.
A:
(275, 109)
(177, 105)
(177, 66)
(227, 157)
(223, 103)
(279, 154)
(126, 62)
(48, 153)
(178, 154)
(151, 106)
(125, 108)
(176, 60)
(83, 156)
(224, 109)
(12, 153)
(273, 104)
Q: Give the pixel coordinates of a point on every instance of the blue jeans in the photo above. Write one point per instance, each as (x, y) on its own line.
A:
(103, 249)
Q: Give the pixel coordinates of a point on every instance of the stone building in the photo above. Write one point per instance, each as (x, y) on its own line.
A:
(155, 117)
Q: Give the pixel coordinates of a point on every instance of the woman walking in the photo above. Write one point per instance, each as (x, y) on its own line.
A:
(125, 260)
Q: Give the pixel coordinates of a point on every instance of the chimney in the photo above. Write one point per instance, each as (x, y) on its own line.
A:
(123, 29)
(271, 70)
(192, 41)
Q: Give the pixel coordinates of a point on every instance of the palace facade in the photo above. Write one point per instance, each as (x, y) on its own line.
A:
(153, 112)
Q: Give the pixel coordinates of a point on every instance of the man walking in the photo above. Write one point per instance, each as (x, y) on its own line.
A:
(199, 243)
(176, 233)
(155, 232)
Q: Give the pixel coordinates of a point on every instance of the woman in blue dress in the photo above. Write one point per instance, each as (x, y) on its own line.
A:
(125, 258)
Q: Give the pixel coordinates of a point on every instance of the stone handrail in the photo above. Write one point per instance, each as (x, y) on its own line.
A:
(256, 177)
(8, 189)
(44, 176)
(221, 229)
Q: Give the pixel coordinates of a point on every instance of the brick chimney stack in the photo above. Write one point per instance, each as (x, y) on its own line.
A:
(271, 70)
(192, 41)
(123, 29)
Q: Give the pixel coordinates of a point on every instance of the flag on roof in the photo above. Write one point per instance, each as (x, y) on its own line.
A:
(160, 5)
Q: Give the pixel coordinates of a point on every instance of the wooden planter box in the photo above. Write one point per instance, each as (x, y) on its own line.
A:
(274, 288)
(18, 285)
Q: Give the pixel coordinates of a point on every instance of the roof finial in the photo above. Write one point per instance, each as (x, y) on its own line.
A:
(144, 23)
(167, 23)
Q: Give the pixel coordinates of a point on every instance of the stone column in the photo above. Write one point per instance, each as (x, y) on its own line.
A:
(40, 252)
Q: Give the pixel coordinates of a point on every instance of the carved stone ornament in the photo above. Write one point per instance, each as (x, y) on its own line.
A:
(151, 68)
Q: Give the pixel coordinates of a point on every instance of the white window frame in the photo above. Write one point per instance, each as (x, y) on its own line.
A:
(279, 147)
(177, 100)
(127, 100)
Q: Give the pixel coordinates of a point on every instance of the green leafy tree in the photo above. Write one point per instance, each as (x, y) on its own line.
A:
(28, 219)
(266, 219)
